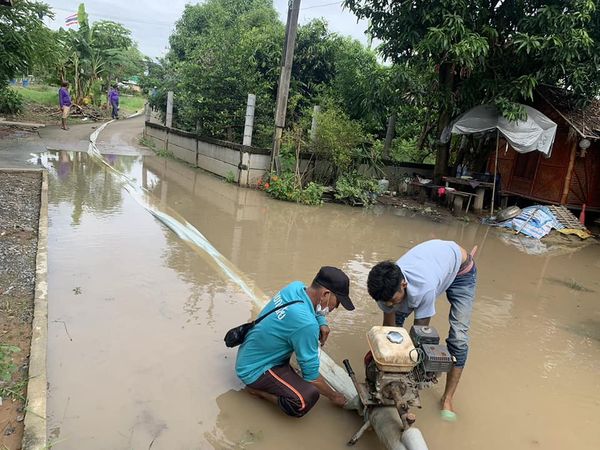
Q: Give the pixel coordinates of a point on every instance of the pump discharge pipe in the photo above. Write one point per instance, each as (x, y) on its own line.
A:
(385, 420)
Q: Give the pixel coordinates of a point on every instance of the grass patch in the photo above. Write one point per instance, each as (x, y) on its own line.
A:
(230, 177)
(8, 388)
(48, 96)
(43, 95)
(163, 153)
(132, 103)
(147, 143)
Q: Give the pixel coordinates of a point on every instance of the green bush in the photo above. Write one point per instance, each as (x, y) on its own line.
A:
(286, 187)
(355, 189)
(230, 177)
(338, 137)
(11, 102)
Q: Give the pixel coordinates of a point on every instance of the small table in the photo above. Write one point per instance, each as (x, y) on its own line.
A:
(423, 188)
(479, 186)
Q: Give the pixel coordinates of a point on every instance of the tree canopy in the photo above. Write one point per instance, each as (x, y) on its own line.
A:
(25, 38)
(222, 50)
(95, 55)
(491, 50)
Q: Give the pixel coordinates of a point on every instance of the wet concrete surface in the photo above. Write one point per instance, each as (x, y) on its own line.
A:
(136, 317)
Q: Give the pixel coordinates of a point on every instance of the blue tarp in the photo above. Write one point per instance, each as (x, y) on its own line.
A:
(541, 223)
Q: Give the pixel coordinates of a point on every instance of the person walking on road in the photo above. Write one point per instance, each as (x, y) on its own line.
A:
(263, 360)
(64, 100)
(113, 100)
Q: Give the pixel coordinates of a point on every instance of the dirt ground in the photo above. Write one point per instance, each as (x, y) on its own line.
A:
(50, 115)
(19, 216)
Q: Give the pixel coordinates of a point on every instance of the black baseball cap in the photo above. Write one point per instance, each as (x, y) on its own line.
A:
(337, 282)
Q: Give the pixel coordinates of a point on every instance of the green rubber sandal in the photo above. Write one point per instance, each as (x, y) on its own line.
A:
(448, 416)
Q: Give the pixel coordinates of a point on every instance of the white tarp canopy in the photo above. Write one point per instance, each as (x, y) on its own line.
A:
(537, 132)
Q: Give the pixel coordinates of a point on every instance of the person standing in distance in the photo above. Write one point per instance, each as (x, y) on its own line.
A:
(64, 100)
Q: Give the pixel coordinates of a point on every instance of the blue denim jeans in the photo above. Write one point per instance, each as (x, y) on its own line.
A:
(461, 295)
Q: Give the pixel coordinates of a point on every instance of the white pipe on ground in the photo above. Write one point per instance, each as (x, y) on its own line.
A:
(387, 424)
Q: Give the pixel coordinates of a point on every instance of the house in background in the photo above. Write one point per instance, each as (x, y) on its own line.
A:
(571, 176)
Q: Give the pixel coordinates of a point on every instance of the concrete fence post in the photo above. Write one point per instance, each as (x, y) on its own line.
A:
(147, 111)
(249, 125)
(247, 141)
(169, 118)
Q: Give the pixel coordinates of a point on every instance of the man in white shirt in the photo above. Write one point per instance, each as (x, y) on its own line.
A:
(414, 282)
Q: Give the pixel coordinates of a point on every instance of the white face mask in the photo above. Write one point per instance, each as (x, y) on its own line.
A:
(322, 311)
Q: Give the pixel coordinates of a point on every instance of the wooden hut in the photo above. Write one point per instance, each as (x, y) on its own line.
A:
(571, 176)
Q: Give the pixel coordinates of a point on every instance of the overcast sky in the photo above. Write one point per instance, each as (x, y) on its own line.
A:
(152, 21)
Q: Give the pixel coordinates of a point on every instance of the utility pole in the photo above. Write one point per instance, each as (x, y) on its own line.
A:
(284, 80)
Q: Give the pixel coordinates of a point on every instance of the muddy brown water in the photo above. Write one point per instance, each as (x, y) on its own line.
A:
(136, 318)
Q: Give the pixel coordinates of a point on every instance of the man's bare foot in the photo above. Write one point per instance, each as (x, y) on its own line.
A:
(446, 404)
(261, 394)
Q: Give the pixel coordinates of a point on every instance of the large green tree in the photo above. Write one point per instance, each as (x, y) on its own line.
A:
(95, 55)
(490, 50)
(23, 38)
(222, 50)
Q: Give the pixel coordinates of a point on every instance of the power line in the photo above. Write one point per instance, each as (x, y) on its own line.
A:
(321, 6)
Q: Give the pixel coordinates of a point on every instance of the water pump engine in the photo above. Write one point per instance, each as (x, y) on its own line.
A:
(399, 365)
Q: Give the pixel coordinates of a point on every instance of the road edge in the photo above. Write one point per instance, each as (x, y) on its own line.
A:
(35, 434)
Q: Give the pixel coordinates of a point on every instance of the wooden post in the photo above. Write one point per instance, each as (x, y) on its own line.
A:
(169, 117)
(284, 81)
(569, 174)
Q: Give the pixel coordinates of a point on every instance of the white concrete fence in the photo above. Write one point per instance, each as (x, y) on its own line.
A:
(245, 164)
(242, 163)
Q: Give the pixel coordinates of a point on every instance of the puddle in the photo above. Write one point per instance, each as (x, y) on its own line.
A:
(136, 358)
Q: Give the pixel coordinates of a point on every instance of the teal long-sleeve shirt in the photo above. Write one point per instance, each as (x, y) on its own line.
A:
(293, 329)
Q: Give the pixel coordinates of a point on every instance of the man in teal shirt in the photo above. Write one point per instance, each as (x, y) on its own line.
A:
(263, 360)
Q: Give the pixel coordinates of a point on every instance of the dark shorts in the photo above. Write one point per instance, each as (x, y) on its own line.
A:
(295, 395)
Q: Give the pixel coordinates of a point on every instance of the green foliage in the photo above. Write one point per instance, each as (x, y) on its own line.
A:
(94, 56)
(287, 187)
(482, 52)
(40, 94)
(11, 102)
(7, 366)
(495, 52)
(407, 150)
(164, 153)
(25, 41)
(221, 51)
(230, 177)
(356, 189)
(146, 142)
(338, 138)
(131, 103)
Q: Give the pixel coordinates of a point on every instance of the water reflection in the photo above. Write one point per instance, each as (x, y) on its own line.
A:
(78, 181)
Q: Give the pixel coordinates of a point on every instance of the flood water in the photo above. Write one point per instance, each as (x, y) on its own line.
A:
(136, 358)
